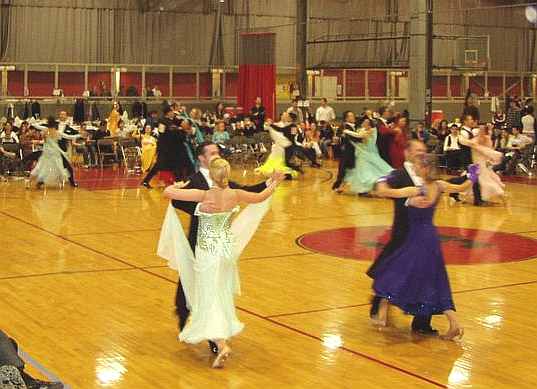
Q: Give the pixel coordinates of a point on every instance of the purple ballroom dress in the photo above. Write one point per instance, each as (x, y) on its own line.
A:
(414, 276)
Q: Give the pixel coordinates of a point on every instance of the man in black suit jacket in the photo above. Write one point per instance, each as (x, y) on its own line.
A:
(347, 158)
(201, 180)
(402, 178)
(172, 152)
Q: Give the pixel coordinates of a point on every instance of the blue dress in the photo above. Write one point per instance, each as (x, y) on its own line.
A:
(369, 165)
(414, 276)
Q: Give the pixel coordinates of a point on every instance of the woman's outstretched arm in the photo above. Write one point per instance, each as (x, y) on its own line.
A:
(176, 192)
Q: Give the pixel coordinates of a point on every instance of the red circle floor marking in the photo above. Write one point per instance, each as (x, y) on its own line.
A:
(461, 246)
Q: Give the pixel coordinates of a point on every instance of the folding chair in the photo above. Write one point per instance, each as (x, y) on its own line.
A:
(106, 148)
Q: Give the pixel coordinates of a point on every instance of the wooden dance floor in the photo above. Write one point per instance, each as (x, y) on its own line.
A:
(85, 295)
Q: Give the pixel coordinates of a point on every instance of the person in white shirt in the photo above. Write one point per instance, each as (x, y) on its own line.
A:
(8, 135)
(296, 112)
(325, 113)
(528, 122)
(156, 91)
(519, 140)
(452, 148)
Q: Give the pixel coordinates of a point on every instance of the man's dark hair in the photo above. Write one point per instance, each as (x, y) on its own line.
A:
(382, 110)
(201, 147)
(167, 110)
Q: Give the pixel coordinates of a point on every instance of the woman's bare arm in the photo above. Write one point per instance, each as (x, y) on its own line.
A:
(253, 198)
(452, 188)
(194, 195)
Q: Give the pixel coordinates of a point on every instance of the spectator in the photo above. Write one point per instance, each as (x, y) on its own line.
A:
(12, 368)
(452, 149)
(325, 113)
(220, 136)
(258, 114)
(326, 137)
(528, 122)
(86, 147)
(156, 91)
(421, 133)
(499, 119)
(295, 112)
(514, 114)
(8, 135)
(249, 128)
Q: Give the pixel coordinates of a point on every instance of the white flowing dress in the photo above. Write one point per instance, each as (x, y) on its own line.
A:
(210, 278)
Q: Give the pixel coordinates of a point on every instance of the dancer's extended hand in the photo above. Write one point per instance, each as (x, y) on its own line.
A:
(277, 176)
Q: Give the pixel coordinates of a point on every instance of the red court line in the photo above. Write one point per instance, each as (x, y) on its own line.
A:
(318, 310)
(74, 272)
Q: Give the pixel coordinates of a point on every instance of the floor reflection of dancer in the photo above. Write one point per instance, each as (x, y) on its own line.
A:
(210, 277)
(369, 165)
(414, 277)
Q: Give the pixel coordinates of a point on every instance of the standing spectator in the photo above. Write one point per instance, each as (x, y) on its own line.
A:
(325, 113)
(156, 91)
(470, 107)
(499, 119)
(452, 149)
(528, 122)
(258, 114)
(514, 114)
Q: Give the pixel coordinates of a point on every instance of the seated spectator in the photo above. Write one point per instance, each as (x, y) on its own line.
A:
(86, 147)
(31, 140)
(12, 372)
(452, 149)
(101, 133)
(312, 140)
(498, 119)
(503, 140)
(326, 137)
(8, 135)
(220, 136)
(249, 129)
(513, 151)
(204, 126)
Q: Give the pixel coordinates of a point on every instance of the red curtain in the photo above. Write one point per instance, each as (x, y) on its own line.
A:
(257, 80)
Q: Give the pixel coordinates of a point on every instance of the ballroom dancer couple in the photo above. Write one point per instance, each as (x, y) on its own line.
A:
(369, 166)
(175, 149)
(207, 261)
(410, 271)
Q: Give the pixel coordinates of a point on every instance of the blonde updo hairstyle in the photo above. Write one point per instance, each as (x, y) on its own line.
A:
(219, 171)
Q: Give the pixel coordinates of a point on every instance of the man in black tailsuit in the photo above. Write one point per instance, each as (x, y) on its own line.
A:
(201, 180)
(347, 159)
(173, 149)
(402, 178)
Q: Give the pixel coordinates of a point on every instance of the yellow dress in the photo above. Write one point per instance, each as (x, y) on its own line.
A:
(149, 152)
(113, 122)
(276, 158)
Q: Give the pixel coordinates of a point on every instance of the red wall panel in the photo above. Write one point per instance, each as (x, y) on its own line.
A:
(439, 86)
(72, 83)
(15, 83)
(184, 84)
(232, 84)
(161, 80)
(355, 83)
(456, 86)
(377, 83)
(495, 85)
(40, 83)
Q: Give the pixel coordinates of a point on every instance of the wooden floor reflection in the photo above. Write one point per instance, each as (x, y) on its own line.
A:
(84, 293)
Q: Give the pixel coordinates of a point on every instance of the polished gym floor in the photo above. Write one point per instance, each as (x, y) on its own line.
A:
(85, 295)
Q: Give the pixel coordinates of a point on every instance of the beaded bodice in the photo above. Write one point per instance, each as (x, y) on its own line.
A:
(214, 233)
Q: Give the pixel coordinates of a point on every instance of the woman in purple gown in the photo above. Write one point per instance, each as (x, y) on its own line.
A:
(414, 276)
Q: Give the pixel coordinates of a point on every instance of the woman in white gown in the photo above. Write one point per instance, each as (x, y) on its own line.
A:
(210, 277)
(484, 155)
(49, 168)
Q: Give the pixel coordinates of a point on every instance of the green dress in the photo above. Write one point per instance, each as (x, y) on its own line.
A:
(369, 165)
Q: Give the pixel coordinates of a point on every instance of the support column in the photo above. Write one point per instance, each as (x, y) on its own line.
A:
(302, 47)
(420, 62)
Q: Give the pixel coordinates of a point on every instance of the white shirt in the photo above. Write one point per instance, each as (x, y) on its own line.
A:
(326, 114)
(409, 167)
(11, 138)
(528, 124)
(453, 145)
(205, 173)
